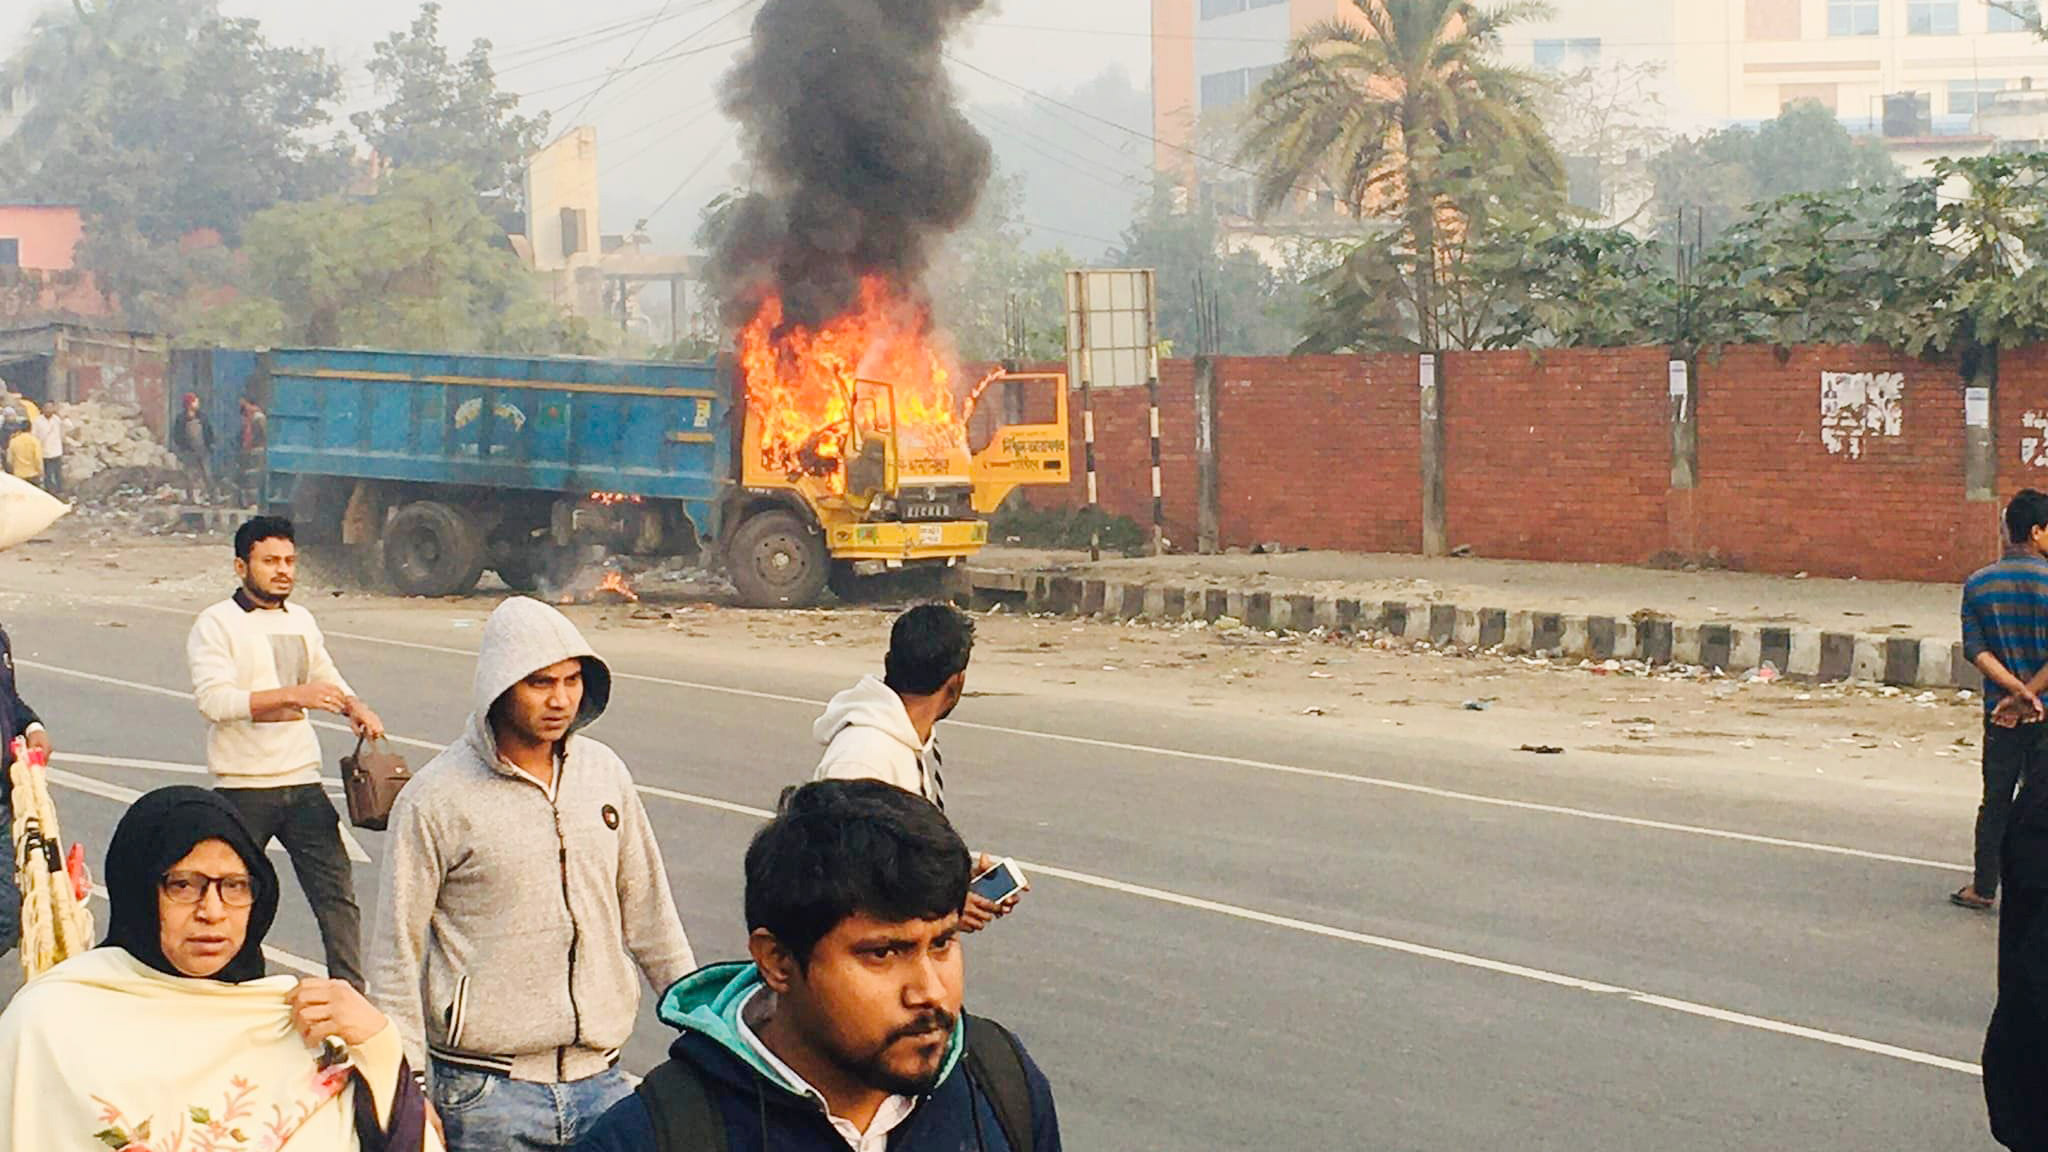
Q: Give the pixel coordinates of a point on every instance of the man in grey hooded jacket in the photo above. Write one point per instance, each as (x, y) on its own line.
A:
(524, 898)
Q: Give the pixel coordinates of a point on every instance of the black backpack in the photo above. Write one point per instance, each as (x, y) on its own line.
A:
(685, 1119)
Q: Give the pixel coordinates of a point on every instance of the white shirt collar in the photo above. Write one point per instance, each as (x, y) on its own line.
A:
(893, 1112)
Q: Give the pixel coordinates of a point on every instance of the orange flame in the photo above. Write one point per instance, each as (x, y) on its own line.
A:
(615, 582)
(609, 498)
(804, 387)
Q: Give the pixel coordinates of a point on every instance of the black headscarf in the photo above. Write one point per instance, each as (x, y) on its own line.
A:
(156, 832)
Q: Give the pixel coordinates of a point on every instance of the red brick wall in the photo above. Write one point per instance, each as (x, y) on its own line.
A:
(1773, 497)
(2019, 411)
(1566, 456)
(1319, 452)
(1559, 455)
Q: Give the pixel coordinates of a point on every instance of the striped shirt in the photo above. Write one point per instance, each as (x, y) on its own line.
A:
(2005, 613)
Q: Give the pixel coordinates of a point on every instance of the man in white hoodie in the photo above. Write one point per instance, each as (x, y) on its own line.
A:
(887, 729)
(524, 900)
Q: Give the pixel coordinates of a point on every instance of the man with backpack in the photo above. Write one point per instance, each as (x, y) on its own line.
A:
(845, 1030)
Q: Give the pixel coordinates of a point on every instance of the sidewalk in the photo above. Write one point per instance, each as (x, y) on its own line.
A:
(1891, 632)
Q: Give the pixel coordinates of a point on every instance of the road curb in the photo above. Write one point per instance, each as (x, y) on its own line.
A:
(1803, 652)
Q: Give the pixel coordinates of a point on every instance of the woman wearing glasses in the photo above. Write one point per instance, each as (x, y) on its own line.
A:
(170, 1038)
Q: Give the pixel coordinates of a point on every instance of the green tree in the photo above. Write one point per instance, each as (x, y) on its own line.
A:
(1388, 115)
(1709, 182)
(161, 118)
(418, 265)
(992, 292)
(1513, 274)
(441, 112)
(1253, 309)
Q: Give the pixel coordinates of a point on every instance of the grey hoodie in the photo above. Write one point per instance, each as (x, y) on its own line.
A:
(867, 735)
(512, 923)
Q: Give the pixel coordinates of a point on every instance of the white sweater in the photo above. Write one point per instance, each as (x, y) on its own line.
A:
(235, 652)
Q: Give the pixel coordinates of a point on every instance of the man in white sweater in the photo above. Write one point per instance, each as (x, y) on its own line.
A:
(887, 729)
(259, 665)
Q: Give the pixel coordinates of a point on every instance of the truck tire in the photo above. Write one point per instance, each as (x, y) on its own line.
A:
(776, 561)
(432, 549)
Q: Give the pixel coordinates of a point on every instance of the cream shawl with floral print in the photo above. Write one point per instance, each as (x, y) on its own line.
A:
(104, 1053)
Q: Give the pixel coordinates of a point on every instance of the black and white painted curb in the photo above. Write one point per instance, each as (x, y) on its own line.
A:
(1802, 652)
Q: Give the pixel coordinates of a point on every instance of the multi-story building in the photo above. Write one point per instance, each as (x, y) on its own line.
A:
(1743, 60)
(1724, 61)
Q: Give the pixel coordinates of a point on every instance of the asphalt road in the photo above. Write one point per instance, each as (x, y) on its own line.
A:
(1253, 935)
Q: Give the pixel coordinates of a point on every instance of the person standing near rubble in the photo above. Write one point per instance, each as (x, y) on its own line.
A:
(524, 900)
(49, 431)
(255, 444)
(24, 453)
(887, 729)
(192, 442)
(259, 666)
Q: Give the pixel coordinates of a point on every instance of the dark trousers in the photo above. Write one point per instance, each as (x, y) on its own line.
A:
(53, 474)
(305, 822)
(2009, 756)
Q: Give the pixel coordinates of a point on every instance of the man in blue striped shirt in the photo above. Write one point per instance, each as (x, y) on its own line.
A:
(2005, 634)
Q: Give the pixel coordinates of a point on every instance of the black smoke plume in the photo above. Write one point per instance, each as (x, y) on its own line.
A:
(862, 158)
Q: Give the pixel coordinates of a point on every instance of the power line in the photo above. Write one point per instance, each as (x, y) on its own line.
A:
(695, 112)
(615, 73)
(649, 63)
(1076, 109)
(1087, 167)
(694, 173)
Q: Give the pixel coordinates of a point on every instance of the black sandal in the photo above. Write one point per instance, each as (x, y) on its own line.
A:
(1966, 897)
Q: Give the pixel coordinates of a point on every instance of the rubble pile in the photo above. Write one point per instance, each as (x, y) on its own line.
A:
(100, 437)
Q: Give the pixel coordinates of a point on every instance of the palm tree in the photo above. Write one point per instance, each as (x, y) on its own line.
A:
(1390, 114)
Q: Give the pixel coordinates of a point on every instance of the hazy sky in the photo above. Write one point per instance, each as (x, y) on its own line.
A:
(658, 131)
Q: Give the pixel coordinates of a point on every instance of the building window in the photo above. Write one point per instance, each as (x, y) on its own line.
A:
(10, 252)
(1222, 89)
(2015, 16)
(1932, 18)
(1211, 9)
(1852, 17)
(1969, 97)
(1567, 55)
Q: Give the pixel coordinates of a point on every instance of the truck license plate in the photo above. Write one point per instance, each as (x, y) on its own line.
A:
(931, 535)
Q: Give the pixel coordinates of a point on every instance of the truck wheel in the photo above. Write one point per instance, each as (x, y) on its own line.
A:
(432, 549)
(777, 562)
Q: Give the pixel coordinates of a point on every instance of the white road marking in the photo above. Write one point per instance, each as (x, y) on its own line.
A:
(1252, 915)
(1150, 750)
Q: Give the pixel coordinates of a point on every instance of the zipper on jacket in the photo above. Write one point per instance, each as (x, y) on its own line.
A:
(575, 932)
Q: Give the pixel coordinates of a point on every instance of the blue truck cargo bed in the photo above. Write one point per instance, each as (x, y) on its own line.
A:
(553, 424)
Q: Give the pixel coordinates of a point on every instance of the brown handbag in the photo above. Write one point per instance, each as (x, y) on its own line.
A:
(372, 781)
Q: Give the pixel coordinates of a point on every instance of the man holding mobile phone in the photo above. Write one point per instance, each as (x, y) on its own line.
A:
(886, 729)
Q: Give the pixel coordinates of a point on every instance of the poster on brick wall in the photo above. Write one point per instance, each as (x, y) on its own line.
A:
(1858, 407)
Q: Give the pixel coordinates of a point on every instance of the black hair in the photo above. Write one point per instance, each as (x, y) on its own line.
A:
(258, 529)
(928, 645)
(840, 847)
(2027, 511)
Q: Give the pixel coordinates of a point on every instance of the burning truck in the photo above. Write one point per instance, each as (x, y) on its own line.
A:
(808, 470)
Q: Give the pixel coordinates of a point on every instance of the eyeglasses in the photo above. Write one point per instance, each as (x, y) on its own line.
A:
(190, 888)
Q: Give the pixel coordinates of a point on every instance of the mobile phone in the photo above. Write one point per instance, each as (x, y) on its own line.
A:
(1000, 882)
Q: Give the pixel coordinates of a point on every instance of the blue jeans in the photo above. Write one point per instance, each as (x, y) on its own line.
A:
(483, 1112)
